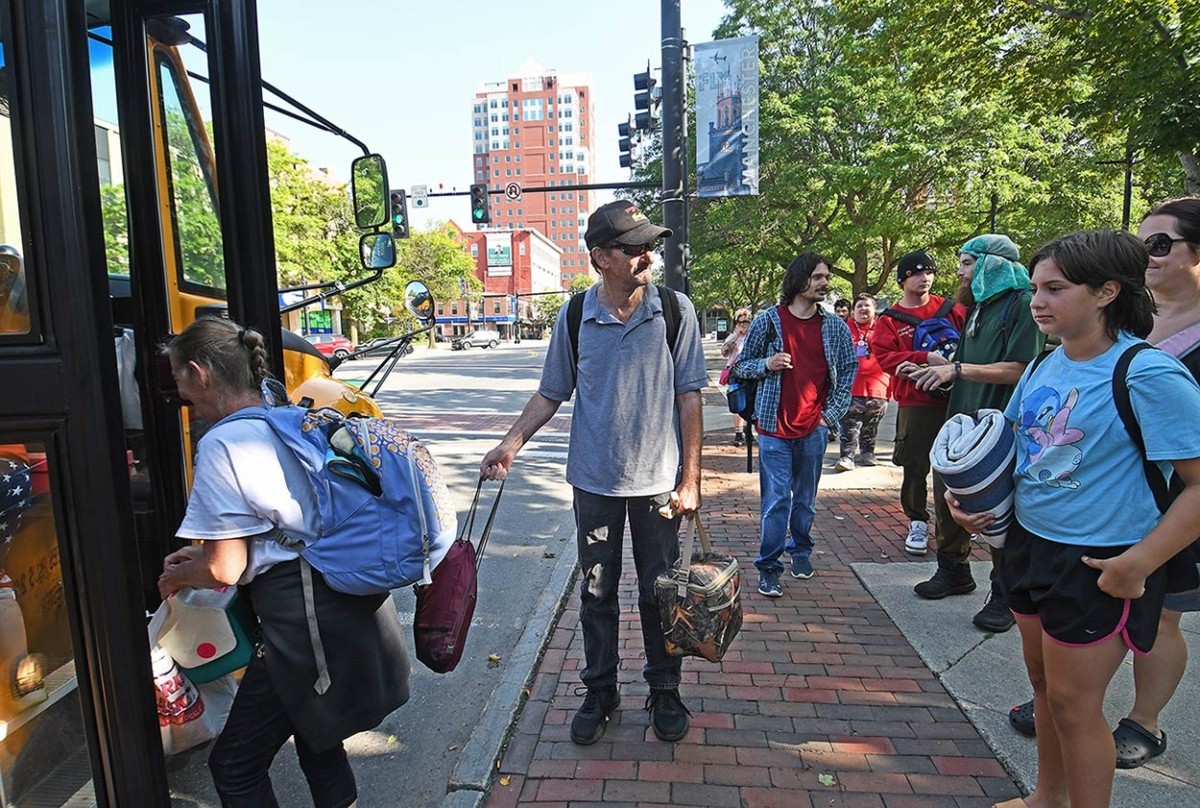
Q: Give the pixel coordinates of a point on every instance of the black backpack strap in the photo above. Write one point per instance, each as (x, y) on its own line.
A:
(1006, 313)
(671, 316)
(902, 316)
(670, 307)
(574, 320)
(944, 309)
(1120, 387)
(1037, 360)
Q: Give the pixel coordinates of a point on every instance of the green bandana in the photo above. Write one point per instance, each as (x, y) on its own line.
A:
(997, 266)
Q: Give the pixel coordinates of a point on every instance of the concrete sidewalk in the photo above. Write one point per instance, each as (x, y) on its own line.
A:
(847, 691)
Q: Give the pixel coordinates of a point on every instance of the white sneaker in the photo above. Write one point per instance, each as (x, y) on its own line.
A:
(917, 542)
(844, 463)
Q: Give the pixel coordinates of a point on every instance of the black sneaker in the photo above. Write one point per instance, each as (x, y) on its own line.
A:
(950, 579)
(589, 723)
(995, 615)
(668, 716)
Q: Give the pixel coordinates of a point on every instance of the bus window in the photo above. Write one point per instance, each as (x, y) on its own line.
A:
(38, 695)
(14, 300)
(190, 176)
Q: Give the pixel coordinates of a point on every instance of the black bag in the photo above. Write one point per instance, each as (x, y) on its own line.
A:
(741, 393)
(740, 396)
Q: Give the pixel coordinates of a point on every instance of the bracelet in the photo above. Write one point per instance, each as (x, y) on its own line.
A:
(957, 370)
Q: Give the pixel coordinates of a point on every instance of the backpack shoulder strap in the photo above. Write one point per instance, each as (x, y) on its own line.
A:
(670, 307)
(902, 316)
(1120, 386)
(944, 309)
(1010, 303)
(1037, 360)
(574, 320)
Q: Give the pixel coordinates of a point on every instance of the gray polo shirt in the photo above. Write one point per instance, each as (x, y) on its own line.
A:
(625, 428)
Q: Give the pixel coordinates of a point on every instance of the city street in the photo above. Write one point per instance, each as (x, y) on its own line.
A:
(460, 403)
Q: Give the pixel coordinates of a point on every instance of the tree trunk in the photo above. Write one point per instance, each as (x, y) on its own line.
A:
(1192, 170)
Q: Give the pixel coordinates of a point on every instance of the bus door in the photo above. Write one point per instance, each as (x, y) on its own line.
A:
(77, 718)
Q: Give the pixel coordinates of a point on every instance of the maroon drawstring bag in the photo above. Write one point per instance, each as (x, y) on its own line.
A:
(446, 606)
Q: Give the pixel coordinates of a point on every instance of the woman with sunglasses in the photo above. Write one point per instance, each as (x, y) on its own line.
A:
(1171, 233)
(731, 349)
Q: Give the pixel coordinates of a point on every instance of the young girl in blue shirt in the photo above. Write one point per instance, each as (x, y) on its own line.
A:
(1083, 563)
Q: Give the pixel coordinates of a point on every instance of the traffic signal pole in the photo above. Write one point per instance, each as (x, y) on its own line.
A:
(674, 200)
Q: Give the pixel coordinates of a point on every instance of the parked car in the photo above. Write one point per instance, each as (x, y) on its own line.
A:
(478, 339)
(334, 345)
(382, 346)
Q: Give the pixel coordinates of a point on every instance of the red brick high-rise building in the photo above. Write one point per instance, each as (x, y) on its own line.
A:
(534, 128)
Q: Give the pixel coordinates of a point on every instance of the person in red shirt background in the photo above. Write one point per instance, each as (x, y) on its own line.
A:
(920, 414)
(869, 395)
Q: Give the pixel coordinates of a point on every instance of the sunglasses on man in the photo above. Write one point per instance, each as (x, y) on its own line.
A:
(1159, 244)
(632, 250)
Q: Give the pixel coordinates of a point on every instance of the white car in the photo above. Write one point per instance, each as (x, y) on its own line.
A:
(477, 339)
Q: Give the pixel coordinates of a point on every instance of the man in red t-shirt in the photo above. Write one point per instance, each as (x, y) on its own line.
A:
(805, 361)
(869, 396)
(920, 413)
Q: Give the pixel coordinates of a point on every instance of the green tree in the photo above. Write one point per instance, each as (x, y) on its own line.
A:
(1127, 68)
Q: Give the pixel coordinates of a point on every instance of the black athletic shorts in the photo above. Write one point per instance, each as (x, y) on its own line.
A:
(1047, 580)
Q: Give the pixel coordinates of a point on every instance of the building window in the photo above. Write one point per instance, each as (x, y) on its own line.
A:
(551, 169)
(508, 172)
(550, 128)
(521, 248)
(492, 104)
(518, 172)
(474, 250)
(518, 158)
(551, 143)
(454, 307)
(508, 158)
(495, 305)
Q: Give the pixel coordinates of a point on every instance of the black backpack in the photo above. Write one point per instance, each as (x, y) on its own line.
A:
(670, 305)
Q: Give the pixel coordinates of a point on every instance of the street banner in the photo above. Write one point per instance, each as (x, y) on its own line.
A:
(727, 117)
(499, 254)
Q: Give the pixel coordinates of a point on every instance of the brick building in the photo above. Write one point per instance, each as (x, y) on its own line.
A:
(514, 265)
(534, 128)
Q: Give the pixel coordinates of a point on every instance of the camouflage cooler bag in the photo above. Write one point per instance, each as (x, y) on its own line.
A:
(699, 599)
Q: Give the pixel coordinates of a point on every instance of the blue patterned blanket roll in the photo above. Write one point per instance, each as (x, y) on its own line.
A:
(975, 455)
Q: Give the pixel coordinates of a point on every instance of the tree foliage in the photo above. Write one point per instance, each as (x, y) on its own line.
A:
(875, 142)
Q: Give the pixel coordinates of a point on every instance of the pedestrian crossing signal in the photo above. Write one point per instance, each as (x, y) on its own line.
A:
(399, 214)
(480, 214)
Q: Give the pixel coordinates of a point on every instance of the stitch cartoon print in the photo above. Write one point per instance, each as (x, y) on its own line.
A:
(1051, 454)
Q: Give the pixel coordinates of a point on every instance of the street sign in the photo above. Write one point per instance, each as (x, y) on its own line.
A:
(512, 191)
(420, 196)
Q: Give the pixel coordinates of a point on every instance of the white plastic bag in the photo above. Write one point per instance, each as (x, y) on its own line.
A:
(188, 715)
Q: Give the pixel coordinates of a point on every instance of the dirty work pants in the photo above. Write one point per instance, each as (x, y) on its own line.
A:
(600, 528)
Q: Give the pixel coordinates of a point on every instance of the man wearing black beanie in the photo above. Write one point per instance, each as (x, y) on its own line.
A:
(920, 413)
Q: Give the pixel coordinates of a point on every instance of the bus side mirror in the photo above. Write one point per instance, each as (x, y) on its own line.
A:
(369, 191)
(377, 250)
(419, 301)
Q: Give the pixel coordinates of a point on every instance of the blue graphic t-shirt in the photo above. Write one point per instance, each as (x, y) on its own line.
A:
(1079, 477)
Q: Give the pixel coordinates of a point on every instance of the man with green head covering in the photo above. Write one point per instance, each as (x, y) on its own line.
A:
(999, 340)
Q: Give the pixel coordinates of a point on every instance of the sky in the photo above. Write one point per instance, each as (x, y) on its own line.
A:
(401, 75)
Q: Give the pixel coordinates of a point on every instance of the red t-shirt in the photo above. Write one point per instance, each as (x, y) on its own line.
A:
(805, 384)
(892, 344)
(871, 381)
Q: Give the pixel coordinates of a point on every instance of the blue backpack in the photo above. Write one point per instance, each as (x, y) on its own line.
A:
(934, 335)
(385, 515)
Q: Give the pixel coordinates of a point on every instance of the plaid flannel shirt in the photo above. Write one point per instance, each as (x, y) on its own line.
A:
(839, 357)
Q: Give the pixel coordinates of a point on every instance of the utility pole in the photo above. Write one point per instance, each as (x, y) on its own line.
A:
(673, 199)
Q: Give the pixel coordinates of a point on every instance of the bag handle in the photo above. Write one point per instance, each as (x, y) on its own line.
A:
(469, 526)
(692, 525)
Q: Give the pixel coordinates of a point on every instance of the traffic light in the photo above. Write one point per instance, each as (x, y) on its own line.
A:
(399, 214)
(480, 213)
(645, 100)
(625, 143)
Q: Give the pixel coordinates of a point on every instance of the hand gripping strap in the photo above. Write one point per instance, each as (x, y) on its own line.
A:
(469, 523)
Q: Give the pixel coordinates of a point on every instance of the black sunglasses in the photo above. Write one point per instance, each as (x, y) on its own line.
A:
(632, 250)
(1159, 244)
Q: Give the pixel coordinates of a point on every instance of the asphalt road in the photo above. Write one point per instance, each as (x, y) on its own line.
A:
(460, 403)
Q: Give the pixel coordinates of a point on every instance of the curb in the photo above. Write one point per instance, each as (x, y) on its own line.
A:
(472, 774)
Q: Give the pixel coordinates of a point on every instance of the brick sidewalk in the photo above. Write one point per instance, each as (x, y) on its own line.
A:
(820, 703)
